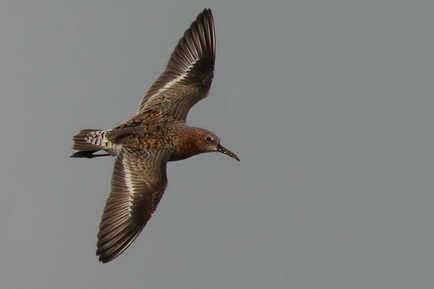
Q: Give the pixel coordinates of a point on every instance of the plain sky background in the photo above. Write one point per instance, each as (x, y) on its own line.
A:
(329, 105)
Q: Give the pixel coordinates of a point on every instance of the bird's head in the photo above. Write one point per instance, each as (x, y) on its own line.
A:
(205, 141)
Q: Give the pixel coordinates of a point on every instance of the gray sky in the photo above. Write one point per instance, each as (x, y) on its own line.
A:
(328, 104)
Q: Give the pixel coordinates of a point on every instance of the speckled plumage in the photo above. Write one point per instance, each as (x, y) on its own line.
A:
(155, 135)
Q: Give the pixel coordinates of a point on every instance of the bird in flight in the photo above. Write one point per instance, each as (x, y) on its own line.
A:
(155, 135)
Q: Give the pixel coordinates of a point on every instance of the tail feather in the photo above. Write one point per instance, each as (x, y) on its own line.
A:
(82, 141)
(88, 154)
(93, 140)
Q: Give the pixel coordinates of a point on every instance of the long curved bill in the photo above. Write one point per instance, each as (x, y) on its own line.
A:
(225, 151)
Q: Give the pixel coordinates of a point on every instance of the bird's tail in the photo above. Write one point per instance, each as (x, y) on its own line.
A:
(88, 141)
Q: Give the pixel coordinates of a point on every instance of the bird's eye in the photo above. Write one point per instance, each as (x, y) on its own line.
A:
(208, 138)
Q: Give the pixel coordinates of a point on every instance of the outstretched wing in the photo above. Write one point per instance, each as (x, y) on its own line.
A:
(189, 72)
(138, 183)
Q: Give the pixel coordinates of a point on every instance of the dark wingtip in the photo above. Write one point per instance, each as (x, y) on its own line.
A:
(104, 260)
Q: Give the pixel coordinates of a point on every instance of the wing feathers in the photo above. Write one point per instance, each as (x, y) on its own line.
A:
(188, 74)
(138, 183)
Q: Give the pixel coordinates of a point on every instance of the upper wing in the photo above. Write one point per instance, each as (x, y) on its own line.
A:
(138, 183)
(189, 72)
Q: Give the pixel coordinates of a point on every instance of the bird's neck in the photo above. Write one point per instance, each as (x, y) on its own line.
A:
(187, 145)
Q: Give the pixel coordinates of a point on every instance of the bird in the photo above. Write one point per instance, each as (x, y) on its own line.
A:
(154, 136)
